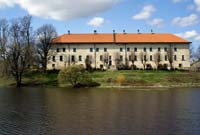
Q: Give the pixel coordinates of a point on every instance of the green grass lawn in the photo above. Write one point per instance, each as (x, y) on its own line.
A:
(108, 78)
(143, 78)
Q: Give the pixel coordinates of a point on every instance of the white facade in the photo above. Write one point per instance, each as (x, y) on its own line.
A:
(63, 55)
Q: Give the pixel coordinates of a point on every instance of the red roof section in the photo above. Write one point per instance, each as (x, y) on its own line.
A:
(119, 38)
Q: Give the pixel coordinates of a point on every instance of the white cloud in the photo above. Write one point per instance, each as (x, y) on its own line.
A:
(158, 22)
(185, 21)
(191, 7)
(96, 22)
(193, 34)
(145, 13)
(197, 2)
(9, 3)
(62, 9)
(197, 38)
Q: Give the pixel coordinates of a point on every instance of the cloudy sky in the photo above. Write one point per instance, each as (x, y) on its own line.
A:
(181, 17)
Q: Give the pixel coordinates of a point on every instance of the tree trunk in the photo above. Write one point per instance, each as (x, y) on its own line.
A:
(18, 81)
(18, 84)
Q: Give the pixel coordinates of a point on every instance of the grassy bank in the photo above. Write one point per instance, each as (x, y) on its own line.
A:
(109, 79)
(148, 78)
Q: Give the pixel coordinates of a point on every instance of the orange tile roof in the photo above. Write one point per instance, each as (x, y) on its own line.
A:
(84, 38)
(119, 38)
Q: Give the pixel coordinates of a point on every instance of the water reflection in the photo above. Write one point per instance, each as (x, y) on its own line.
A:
(99, 112)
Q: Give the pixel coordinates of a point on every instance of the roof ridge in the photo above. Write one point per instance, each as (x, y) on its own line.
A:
(129, 38)
(112, 33)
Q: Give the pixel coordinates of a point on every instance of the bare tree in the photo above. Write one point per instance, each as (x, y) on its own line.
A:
(143, 57)
(197, 53)
(88, 62)
(157, 59)
(45, 35)
(18, 53)
(117, 60)
(192, 54)
(3, 37)
(106, 59)
(170, 54)
(4, 33)
(27, 34)
(132, 59)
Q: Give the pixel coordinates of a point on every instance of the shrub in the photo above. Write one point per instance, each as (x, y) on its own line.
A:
(77, 76)
(120, 79)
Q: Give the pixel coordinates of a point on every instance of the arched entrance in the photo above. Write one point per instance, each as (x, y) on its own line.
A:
(149, 67)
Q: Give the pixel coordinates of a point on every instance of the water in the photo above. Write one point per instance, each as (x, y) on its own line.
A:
(99, 112)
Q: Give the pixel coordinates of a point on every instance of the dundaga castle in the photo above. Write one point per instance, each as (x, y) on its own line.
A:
(117, 50)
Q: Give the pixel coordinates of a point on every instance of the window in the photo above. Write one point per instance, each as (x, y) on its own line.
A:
(159, 58)
(58, 50)
(110, 57)
(91, 49)
(80, 58)
(74, 49)
(61, 58)
(165, 57)
(151, 49)
(121, 57)
(151, 57)
(135, 49)
(87, 57)
(121, 49)
(183, 58)
(135, 58)
(180, 65)
(175, 49)
(145, 58)
(53, 66)
(165, 49)
(101, 57)
(64, 49)
(73, 58)
(159, 49)
(145, 49)
(128, 49)
(175, 58)
(105, 49)
(97, 49)
(53, 58)
(130, 58)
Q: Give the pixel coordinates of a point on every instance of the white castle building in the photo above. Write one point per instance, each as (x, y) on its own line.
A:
(116, 50)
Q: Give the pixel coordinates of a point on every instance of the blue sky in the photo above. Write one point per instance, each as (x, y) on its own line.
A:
(181, 17)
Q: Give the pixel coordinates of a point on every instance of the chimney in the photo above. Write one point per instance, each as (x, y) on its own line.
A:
(95, 31)
(68, 32)
(138, 31)
(114, 36)
(124, 31)
(152, 31)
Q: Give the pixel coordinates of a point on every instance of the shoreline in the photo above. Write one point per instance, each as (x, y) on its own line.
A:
(107, 79)
(182, 85)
